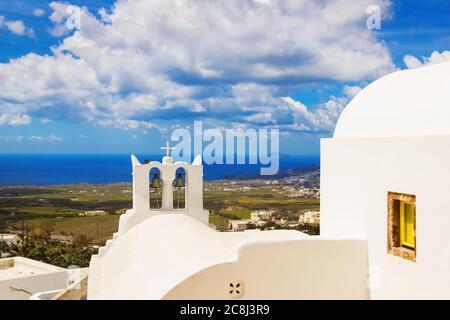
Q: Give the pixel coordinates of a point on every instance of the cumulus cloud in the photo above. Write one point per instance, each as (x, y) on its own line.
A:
(16, 26)
(12, 138)
(127, 124)
(50, 138)
(289, 114)
(20, 138)
(15, 119)
(38, 12)
(322, 119)
(260, 118)
(352, 91)
(225, 60)
(411, 62)
(65, 18)
(436, 57)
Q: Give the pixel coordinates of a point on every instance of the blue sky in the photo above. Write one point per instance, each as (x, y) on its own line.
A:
(136, 70)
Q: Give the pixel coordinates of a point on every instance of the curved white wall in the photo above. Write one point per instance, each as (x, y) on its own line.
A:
(297, 269)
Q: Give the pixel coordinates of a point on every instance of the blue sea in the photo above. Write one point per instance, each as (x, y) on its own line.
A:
(51, 169)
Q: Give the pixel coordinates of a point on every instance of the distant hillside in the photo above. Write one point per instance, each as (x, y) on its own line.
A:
(280, 175)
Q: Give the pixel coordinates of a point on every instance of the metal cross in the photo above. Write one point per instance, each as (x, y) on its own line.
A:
(168, 148)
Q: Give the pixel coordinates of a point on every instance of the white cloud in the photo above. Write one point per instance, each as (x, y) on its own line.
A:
(266, 2)
(322, 118)
(264, 108)
(17, 27)
(436, 57)
(50, 138)
(127, 124)
(411, 62)
(352, 91)
(53, 137)
(261, 118)
(15, 119)
(225, 60)
(12, 138)
(38, 12)
(61, 16)
(45, 120)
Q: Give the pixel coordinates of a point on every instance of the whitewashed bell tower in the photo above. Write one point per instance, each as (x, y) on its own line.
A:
(168, 169)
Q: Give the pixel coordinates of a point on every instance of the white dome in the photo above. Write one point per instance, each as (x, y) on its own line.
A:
(406, 103)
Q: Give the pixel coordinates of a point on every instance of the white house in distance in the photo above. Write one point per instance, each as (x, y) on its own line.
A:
(262, 215)
(384, 216)
(312, 217)
(238, 225)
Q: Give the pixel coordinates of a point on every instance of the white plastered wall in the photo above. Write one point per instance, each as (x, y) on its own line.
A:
(40, 277)
(296, 269)
(355, 179)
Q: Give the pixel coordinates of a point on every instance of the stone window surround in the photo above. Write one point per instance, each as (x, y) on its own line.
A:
(393, 241)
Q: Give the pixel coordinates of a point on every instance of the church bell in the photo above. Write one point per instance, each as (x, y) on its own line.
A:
(156, 182)
(179, 183)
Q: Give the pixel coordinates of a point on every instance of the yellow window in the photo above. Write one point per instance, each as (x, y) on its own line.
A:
(407, 222)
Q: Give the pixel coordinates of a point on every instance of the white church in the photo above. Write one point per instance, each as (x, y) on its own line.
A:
(385, 216)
